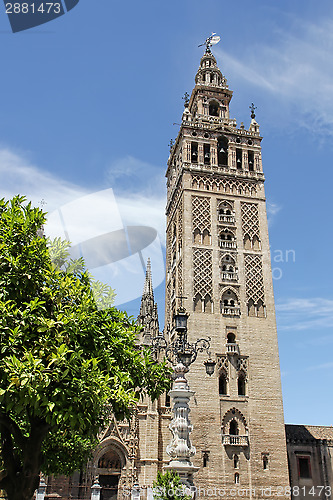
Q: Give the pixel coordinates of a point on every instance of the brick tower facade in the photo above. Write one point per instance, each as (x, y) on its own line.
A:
(218, 258)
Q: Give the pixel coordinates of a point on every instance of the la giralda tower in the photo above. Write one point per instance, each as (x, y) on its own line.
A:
(218, 258)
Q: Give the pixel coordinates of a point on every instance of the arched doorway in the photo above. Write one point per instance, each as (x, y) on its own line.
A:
(109, 468)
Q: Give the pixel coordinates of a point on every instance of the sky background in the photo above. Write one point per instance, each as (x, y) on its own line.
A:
(88, 103)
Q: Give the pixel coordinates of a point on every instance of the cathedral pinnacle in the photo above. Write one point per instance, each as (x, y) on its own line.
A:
(148, 286)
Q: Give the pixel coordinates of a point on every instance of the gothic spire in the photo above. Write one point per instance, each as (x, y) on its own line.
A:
(148, 316)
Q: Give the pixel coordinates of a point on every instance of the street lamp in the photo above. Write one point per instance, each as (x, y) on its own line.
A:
(181, 353)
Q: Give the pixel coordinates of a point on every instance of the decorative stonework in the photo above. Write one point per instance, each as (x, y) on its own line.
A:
(242, 365)
(222, 364)
(250, 220)
(202, 271)
(201, 218)
(224, 185)
(254, 279)
(180, 279)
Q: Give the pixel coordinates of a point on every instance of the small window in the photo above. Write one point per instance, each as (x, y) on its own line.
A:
(167, 400)
(205, 458)
(236, 461)
(241, 385)
(251, 161)
(236, 478)
(239, 159)
(304, 468)
(233, 430)
(265, 462)
(222, 384)
(214, 108)
(194, 152)
(206, 154)
(231, 338)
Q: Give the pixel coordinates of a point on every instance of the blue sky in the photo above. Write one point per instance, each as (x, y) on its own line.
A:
(89, 101)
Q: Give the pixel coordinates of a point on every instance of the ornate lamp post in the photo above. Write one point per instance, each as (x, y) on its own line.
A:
(182, 354)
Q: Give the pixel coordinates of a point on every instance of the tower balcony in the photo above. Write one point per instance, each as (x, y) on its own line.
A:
(232, 349)
(228, 244)
(228, 219)
(229, 276)
(230, 311)
(231, 440)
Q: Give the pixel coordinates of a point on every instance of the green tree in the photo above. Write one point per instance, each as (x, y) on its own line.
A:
(169, 487)
(66, 362)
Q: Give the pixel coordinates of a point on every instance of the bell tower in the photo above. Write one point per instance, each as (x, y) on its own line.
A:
(218, 258)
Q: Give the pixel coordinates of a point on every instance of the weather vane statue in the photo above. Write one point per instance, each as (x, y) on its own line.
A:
(213, 39)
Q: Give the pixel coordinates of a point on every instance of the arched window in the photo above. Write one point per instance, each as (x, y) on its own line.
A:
(236, 461)
(236, 478)
(208, 305)
(222, 384)
(194, 152)
(231, 338)
(213, 108)
(260, 309)
(265, 462)
(197, 237)
(222, 151)
(206, 237)
(241, 384)
(197, 303)
(233, 429)
(251, 309)
(229, 303)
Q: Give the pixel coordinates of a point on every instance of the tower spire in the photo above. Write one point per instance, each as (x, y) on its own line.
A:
(148, 316)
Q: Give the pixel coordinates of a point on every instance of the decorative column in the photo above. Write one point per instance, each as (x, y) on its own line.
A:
(96, 490)
(41, 491)
(180, 448)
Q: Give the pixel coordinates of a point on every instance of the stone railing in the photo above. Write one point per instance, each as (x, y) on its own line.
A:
(230, 311)
(228, 244)
(229, 276)
(230, 219)
(232, 349)
(231, 440)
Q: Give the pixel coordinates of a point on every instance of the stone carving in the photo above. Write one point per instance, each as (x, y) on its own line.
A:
(202, 269)
(224, 185)
(254, 279)
(201, 219)
(250, 220)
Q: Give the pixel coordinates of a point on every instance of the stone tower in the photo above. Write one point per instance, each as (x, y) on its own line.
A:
(218, 259)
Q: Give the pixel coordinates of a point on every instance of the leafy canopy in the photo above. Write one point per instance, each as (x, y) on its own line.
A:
(66, 361)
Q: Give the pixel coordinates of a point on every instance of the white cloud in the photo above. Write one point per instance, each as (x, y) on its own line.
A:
(297, 70)
(272, 210)
(83, 215)
(19, 176)
(297, 314)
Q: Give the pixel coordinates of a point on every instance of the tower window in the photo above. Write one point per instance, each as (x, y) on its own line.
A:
(265, 462)
(236, 478)
(241, 385)
(304, 468)
(222, 151)
(205, 458)
(222, 384)
(236, 461)
(231, 338)
(194, 152)
(239, 159)
(167, 400)
(206, 154)
(251, 161)
(233, 429)
(213, 107)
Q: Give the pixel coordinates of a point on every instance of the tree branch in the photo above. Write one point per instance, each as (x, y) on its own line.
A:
(14, 429)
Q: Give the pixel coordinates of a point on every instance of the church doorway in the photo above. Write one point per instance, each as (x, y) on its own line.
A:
(109, 468)
(109, 485)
